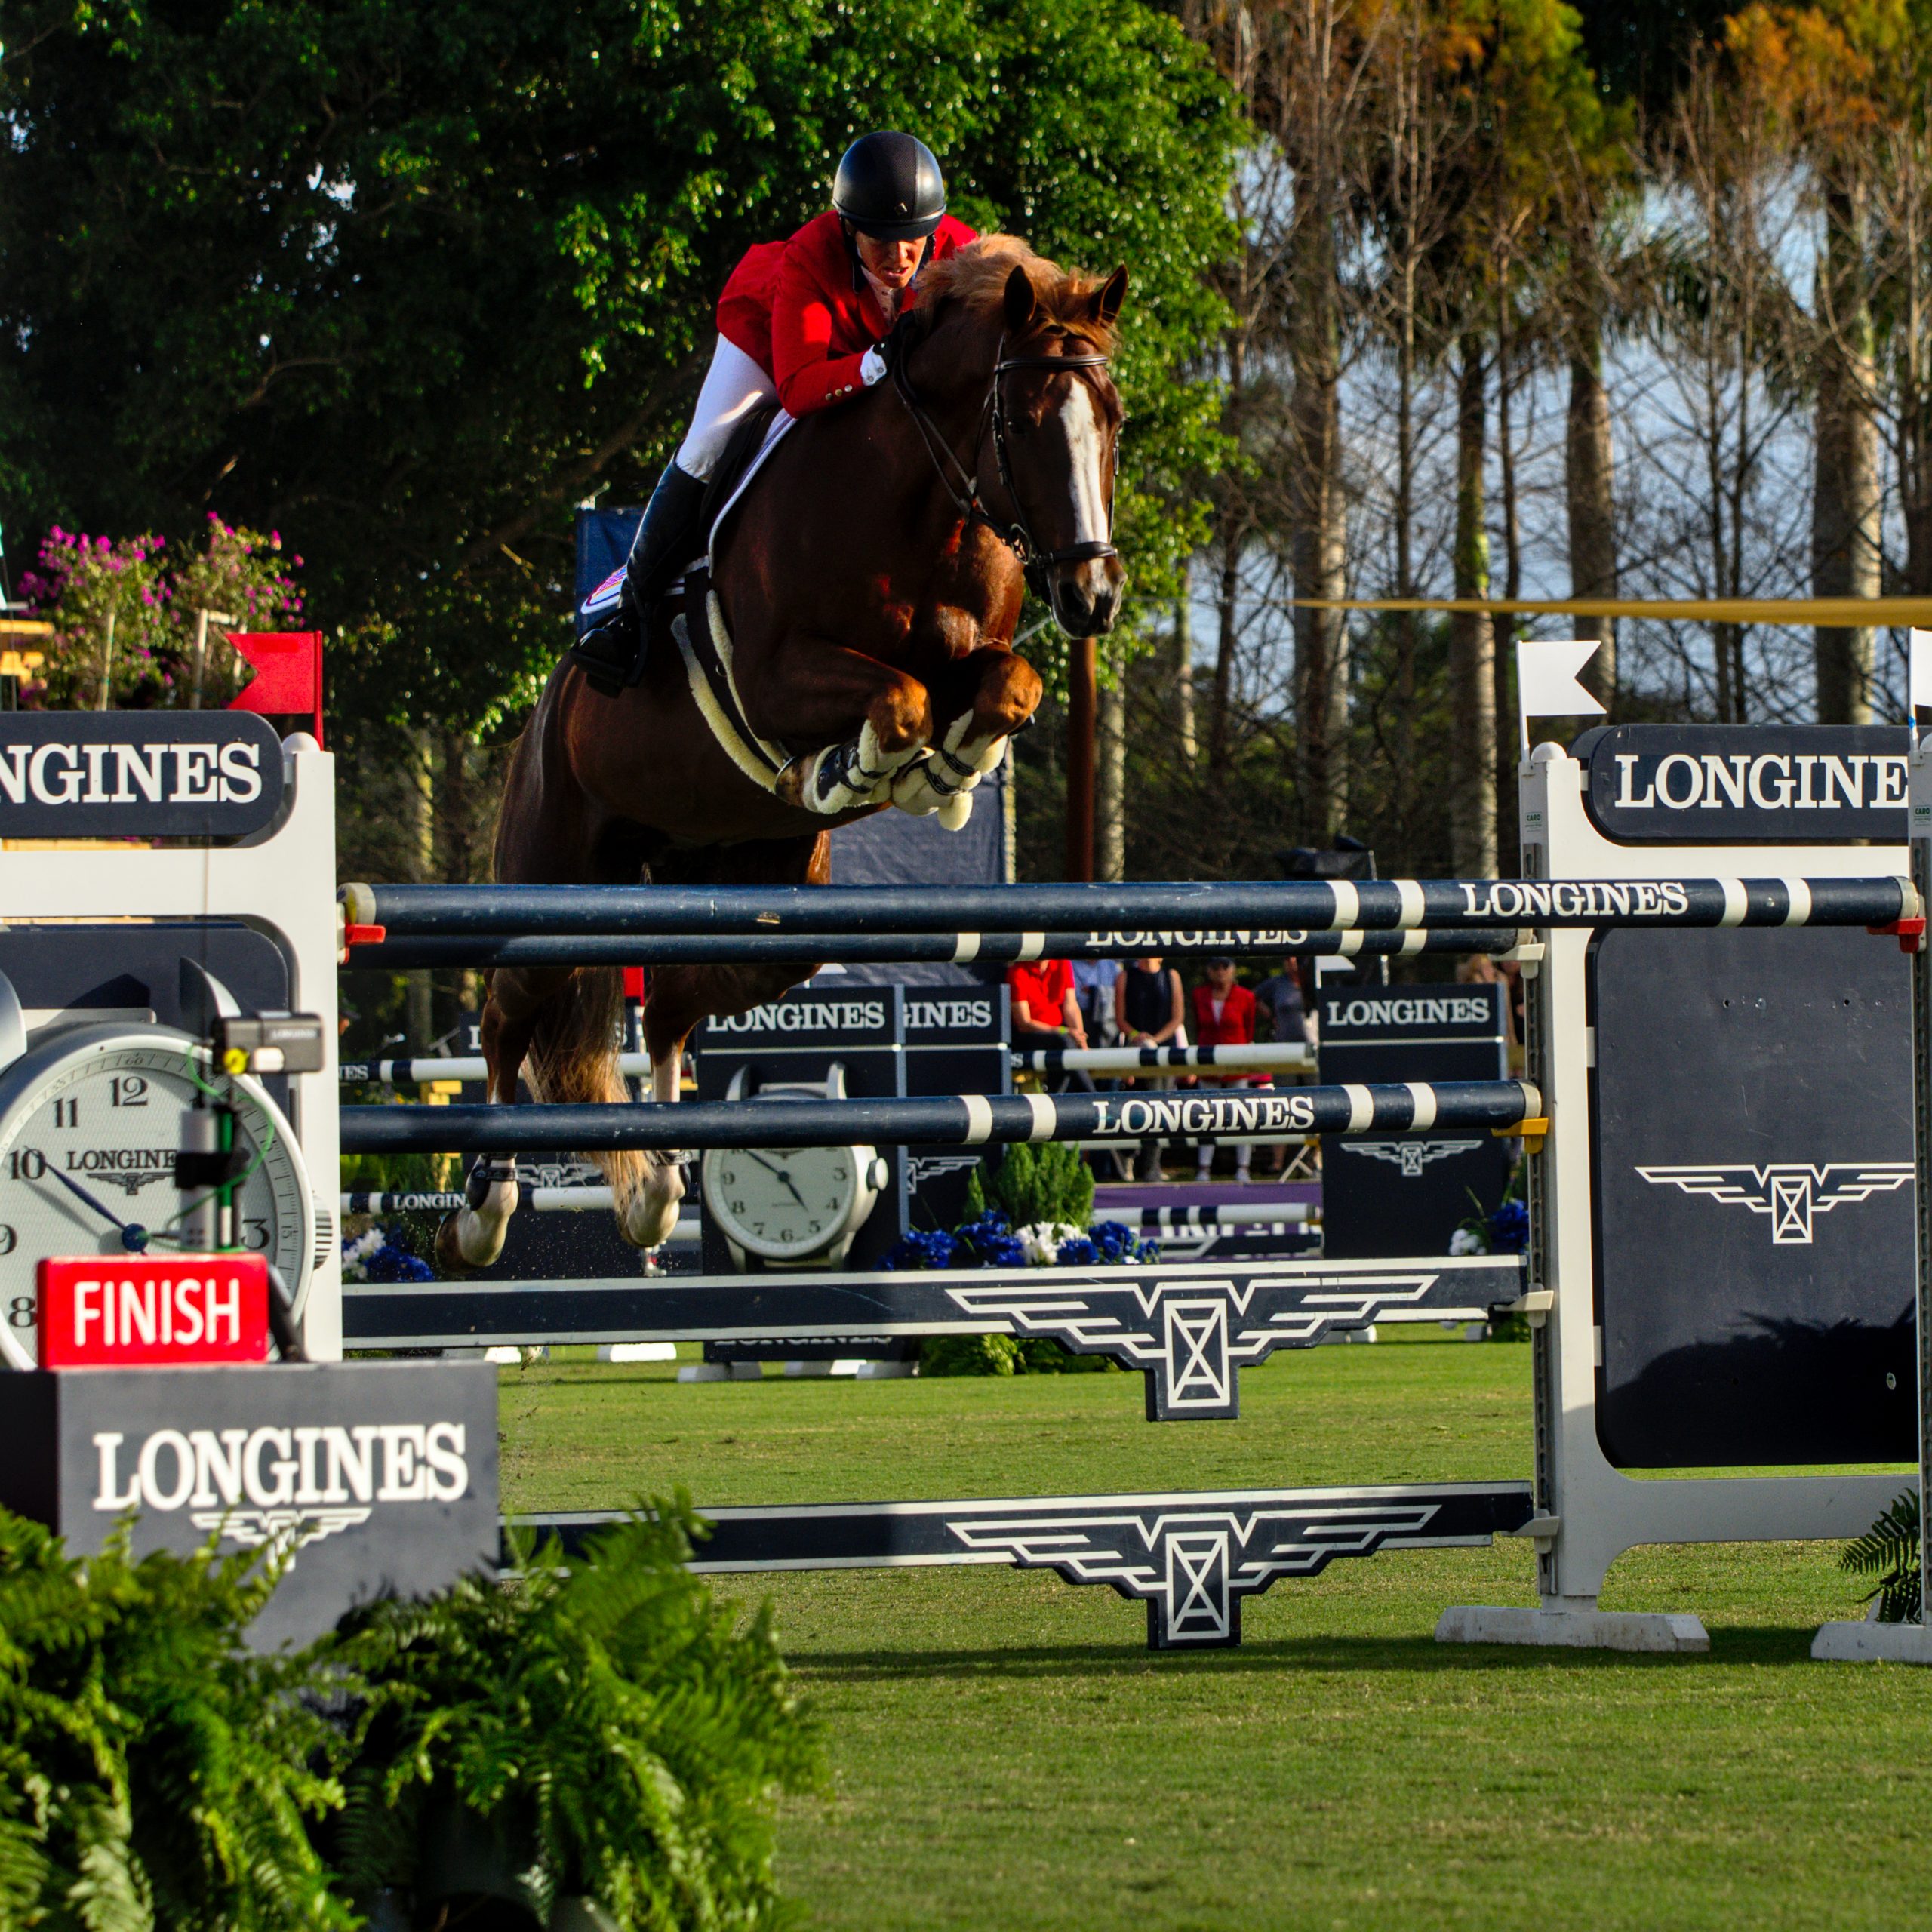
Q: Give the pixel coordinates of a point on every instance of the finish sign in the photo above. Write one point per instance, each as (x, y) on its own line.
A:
(147, 1311)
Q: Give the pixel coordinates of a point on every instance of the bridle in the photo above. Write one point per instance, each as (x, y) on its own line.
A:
(962, 486)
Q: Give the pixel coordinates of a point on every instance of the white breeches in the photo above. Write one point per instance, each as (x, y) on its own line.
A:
(735, 385)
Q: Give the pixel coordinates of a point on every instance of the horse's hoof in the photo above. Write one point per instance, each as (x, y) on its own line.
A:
(957, 810)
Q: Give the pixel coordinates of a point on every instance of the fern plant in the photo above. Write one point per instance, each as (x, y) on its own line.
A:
(1890, 1550)
(153, 1771)
(606, 1730)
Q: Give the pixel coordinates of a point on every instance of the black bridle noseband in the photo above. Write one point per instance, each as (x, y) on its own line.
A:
(963, 485)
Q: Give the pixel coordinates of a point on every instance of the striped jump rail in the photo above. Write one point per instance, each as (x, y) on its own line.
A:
(965, 1119)
(1281, 1057)
(371, 945)
(420, 911)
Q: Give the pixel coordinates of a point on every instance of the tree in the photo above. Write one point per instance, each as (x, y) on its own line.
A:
(409, 284)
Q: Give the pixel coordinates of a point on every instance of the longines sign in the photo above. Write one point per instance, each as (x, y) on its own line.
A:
(365, 1477)
(1716, 784)
(137, 774)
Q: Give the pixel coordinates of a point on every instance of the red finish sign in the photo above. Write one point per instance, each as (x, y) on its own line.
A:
(143, 1311)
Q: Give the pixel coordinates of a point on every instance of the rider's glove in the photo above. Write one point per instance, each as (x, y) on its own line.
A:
(879, 362)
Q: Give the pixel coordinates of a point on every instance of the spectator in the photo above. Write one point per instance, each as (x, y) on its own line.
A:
(1280, 999)
(1147, 1004)
(1046, 1013)
(1148, 1012)
(1094, 984)
(1224, 1012)
(1479, 969)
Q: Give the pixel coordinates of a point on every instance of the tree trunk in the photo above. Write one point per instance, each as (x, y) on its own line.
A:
(1110, 857)
(1318, 532)
(1080, 732)
(1472, 643)
(1503, 655)
(421, 801)
(1234, 531)
(1183, 676)
(1588, 479)
(1845, 506)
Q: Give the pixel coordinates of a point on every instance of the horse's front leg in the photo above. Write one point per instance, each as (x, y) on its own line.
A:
(814, 689)
(980, 701)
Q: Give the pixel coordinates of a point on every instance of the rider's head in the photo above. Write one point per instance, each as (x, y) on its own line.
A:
(890, 195)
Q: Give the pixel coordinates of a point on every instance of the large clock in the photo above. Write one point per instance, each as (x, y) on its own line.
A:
(793, 1204)
(91, 1119)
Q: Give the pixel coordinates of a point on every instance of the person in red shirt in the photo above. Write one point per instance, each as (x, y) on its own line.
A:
(1045, 1009)
(809, 321)
(1223, 1016)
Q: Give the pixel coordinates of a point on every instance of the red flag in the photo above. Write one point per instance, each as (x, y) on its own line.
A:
(288, 673)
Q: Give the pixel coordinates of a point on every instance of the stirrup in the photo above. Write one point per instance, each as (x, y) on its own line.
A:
(607, 674)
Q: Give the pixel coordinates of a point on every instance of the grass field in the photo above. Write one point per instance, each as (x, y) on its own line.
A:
(1005, 1753)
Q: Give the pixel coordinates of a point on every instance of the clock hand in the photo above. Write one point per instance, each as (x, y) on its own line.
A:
(134, 1237)
(772, 1166)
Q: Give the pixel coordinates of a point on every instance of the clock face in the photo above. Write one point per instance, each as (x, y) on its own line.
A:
(91, 1121)
(782, 1203)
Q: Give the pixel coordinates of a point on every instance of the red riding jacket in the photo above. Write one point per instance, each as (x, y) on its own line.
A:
(803, 310)
(1235, 1027)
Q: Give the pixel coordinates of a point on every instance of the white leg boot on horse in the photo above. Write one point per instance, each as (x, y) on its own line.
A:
(473, 1236)
(651, 1212)
(988, 695)
(858, 772)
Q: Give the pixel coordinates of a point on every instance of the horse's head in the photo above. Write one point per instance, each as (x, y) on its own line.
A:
(1049, 417)
(1056, 418)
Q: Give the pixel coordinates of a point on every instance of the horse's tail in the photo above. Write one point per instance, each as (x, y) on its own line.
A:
(573, 1057)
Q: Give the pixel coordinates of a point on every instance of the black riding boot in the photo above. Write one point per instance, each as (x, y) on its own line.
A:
(611, 654)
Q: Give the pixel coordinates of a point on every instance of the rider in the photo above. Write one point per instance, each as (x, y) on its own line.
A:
(809, 321)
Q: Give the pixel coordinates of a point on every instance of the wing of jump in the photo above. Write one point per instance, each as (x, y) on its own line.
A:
(1741, 1186)
(1858, 1180)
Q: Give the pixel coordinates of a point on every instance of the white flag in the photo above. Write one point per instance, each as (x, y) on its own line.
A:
(1918, 671)
(1546, 684)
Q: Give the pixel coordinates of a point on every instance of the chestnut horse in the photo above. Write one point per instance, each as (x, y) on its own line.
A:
(868, 585)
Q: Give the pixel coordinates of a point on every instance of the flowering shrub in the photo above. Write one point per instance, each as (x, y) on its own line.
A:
(124, 614)
(989, 1241)
(374, 1257)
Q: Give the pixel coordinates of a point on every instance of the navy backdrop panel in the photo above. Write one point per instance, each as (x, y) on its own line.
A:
(894, 848)
(604, 539)
(1753, 1147)
(1408, 1194)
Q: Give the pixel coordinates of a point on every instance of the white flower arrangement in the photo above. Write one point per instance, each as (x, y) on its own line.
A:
(1042, 1241)
(1467, 1240)
(356, 1254)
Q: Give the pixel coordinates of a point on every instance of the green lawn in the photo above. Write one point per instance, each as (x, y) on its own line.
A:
(1005, 1751)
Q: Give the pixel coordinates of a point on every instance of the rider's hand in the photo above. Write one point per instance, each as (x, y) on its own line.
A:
(886, 357)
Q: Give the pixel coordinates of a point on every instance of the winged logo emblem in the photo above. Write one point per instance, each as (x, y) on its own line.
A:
(1411, 1156)
(1793, 1193)
(286, 1531)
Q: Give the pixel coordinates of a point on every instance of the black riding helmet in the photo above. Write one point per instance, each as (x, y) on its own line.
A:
(890, 186)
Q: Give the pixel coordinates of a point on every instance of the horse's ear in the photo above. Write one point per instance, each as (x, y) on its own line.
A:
(1109, 296)
(1022, 304)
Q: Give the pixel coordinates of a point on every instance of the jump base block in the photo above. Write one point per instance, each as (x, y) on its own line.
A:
(1660, 1631)
(1873, 1643)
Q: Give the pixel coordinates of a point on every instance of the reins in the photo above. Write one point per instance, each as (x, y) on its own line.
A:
(962, 486)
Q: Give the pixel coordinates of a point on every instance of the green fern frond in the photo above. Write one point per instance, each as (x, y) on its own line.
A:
(1890, 1550)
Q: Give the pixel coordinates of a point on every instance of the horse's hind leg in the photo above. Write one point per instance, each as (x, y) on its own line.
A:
(473, 1236)
(979, 701)
(680, 996)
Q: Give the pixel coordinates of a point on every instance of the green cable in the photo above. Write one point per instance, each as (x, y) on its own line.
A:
(230, 1188)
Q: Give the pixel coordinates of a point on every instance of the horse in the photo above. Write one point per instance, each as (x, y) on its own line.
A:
(867, 587)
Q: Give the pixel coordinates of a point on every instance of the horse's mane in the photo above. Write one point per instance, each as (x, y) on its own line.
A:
(977, 276)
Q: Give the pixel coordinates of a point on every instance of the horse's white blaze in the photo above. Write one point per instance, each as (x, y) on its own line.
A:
(1084, 446)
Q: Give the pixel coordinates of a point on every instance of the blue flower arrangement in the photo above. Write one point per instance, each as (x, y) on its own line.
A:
(989, 1240)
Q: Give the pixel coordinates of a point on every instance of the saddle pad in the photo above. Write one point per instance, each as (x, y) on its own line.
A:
(603, 600)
